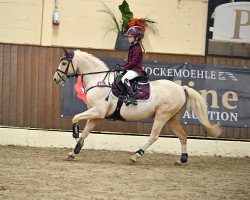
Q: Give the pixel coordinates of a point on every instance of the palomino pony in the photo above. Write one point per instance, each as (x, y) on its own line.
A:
(165, 105)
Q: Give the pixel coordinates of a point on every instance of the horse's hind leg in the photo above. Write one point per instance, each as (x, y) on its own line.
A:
(88, 127)
(163, 114)
(175, 125)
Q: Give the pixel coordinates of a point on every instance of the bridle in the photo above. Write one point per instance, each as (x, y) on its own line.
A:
(69, 57)
(66, 73)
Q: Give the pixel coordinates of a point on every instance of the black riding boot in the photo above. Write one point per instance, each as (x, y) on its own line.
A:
(130, 99)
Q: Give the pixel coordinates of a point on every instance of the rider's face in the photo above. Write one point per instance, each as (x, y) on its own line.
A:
(131, 39)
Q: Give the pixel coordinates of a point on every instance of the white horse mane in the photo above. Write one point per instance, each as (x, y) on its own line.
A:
(94, 60)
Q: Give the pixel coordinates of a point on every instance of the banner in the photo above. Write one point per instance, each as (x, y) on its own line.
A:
(225, 88)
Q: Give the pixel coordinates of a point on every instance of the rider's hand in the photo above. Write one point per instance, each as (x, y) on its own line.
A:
(120, 68)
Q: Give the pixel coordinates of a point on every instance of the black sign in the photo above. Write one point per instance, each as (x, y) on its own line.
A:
(225, 88)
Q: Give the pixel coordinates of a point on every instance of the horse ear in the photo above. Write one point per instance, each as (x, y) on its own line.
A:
(66, 52)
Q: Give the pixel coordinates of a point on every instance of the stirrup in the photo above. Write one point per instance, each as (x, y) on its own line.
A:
(134, 102)
(130, 101)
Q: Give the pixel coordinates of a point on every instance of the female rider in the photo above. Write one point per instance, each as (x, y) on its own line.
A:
(133, 66)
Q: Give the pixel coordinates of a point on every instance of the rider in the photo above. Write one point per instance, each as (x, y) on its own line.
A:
(133, 66)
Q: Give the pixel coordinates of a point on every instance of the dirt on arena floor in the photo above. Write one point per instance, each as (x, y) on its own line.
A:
(44, 173)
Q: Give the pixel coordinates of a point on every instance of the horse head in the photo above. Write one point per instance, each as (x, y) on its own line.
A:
(66, 67)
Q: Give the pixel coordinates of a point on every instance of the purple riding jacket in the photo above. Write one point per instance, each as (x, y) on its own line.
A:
(134, 61)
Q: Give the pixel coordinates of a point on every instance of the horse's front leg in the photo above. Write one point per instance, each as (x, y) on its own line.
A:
(88, 128)
(92, 115)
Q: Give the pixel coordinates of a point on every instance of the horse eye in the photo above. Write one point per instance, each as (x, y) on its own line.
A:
(64, 63)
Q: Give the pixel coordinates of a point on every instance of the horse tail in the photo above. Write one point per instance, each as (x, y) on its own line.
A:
(198, 105)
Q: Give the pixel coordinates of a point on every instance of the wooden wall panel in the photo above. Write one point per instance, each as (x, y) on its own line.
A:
(1, 82)
(34, 87)
(29, 98)
(48, 87)
(6, 85)
(41, 87)
(13, 83)
(20, 87)
(27, 86)
(55, 92)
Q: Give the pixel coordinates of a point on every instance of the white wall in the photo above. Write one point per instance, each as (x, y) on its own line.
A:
(20, 21)
(181, 24)
(198, 147)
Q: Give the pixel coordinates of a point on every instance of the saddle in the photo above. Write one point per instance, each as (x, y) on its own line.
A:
(141, 89)
(140, 86)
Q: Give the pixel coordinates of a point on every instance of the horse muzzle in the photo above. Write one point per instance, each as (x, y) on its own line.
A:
(58, 80)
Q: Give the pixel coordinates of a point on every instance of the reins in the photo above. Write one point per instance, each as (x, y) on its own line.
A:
(75, 74)
(107, 74)
(83, 74)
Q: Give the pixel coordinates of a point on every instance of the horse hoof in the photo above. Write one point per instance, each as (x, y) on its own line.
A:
(184, 158)
(135, 157)
(71, 157)
(178, 163)
(78, 148)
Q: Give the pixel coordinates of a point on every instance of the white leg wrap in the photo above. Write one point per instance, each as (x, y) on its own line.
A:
(147, 145)
(183, 148)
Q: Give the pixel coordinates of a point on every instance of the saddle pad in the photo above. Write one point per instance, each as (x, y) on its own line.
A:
(142, 93)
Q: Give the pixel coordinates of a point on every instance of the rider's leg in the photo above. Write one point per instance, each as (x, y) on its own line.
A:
(130, 74)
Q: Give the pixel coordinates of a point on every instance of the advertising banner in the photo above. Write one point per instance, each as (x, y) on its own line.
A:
(225, 88)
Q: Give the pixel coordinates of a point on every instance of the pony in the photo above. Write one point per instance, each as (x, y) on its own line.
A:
(167, 101)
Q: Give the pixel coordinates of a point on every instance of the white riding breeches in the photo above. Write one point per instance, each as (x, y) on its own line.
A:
(130, 74)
